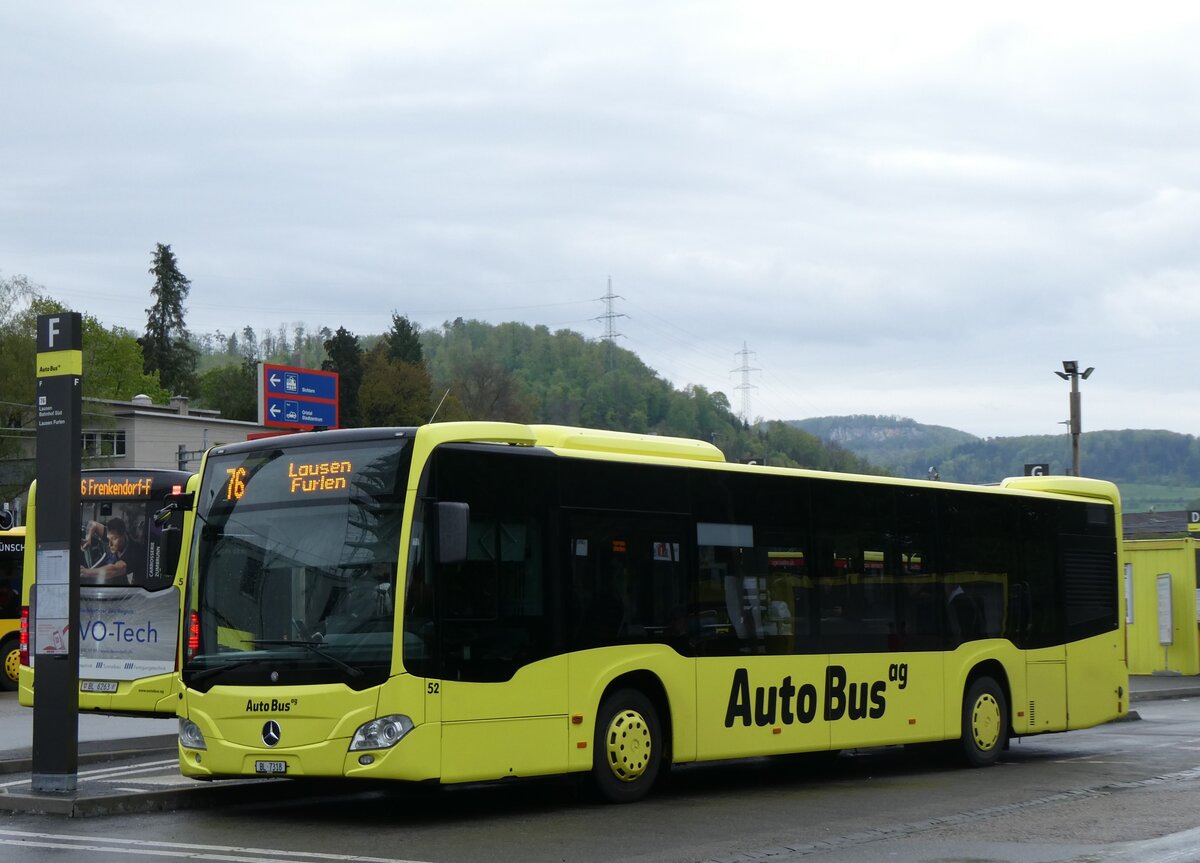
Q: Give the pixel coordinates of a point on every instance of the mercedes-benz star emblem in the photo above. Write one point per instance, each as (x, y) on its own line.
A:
(270, 732)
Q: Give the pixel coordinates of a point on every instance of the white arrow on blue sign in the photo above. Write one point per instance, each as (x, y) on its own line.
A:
(307, 383)
(302, 412)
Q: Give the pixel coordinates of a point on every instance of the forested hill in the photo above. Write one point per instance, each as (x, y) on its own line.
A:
(527, 373)
(1154, 469)
(513, 372)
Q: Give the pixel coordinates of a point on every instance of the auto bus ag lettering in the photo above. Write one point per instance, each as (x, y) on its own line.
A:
(787, 703)
(273, 705)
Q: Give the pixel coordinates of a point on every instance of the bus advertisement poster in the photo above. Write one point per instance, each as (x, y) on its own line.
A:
(126, 634)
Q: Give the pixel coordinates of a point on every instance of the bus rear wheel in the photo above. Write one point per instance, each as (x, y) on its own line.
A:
(984, 722)
(628, 747)
(11, 650)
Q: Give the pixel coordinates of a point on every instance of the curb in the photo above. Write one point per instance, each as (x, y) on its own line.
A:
(96, 752)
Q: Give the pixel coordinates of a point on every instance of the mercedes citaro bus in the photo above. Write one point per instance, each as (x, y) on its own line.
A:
(130, 536)
(475, 601)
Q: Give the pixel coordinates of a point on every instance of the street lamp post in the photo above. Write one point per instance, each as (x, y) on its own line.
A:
(1072, 373)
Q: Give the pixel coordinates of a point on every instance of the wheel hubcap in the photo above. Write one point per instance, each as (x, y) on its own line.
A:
(985, 722)
(628, 745)
(12, 665)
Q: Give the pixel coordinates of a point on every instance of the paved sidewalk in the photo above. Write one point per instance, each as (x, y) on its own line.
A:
(1154, 687)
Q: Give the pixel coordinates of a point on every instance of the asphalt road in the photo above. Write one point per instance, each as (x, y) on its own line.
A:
(1124, 792)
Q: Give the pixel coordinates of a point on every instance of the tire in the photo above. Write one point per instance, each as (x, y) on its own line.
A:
(628, 749)
(984, 723)
(11, 678)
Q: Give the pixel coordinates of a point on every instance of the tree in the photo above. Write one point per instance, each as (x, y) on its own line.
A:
(346, 358)
(112, 357)
(166, 346)
(18, 372)
(112, 369)
(393, 393)
(232, 389)
(403, 340)
(490, 392)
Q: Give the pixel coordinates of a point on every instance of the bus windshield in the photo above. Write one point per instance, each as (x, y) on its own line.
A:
(295, 564)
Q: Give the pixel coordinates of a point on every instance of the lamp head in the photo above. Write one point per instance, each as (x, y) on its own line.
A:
(1071, 366)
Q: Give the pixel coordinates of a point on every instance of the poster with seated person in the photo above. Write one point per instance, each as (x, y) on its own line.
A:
(121, 561)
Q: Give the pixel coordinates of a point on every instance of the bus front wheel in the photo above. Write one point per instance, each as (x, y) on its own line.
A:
(984, 722)
(11, 650)
(627, 754)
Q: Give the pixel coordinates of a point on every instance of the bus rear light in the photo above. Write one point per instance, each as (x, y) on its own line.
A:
(193, 636)
(25, 635)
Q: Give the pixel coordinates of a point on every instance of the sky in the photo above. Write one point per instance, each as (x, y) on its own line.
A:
(916, 209)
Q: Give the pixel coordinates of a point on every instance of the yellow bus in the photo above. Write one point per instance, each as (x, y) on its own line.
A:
(12, 551)
(475, 601)
(129, 599)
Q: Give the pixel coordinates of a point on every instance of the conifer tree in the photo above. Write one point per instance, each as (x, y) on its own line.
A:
(166, 346)
(346, 358)
(403, 341)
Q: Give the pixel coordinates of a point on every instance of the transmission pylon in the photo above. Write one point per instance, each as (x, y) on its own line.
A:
(610, 320)
(745, 386)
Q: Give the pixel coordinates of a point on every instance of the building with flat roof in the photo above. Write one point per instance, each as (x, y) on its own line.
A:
(137, 433)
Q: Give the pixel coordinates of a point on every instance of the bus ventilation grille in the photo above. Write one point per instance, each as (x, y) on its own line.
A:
(1033, 713)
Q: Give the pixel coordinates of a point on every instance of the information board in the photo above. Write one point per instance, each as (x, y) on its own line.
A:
(296, 398)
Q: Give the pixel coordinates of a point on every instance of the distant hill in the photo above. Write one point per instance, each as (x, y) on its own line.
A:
(1155, 470)
(887, 441)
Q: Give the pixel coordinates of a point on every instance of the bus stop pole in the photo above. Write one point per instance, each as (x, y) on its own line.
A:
(55, 636)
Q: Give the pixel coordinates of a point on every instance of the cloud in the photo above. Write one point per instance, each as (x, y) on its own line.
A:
(918, 210)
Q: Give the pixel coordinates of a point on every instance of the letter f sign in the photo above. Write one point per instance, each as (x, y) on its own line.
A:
(52, 331)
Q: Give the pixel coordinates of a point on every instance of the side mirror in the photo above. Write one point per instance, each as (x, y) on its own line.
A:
(452, 521)
(175, 503)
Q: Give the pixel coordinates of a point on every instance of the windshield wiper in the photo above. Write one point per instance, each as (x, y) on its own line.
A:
(206, 673)
(311, 646)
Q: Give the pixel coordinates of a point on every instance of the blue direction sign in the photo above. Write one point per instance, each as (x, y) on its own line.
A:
(297, 398)
(294, 412)
(300, 383)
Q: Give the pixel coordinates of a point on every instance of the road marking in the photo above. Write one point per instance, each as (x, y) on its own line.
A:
(187, 850)
(147, 767)
(106, 772)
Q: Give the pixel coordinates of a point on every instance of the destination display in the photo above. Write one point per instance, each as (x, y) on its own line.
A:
(274, 476)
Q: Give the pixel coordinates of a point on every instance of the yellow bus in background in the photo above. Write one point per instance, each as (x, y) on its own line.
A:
(476, 601)
(129, 592)
(12, 552)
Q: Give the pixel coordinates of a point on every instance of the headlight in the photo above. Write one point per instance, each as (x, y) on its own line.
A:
(382, 733)
(190, 735)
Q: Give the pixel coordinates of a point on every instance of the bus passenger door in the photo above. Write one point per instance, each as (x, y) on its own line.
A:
(502, 693)
(626, 600)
